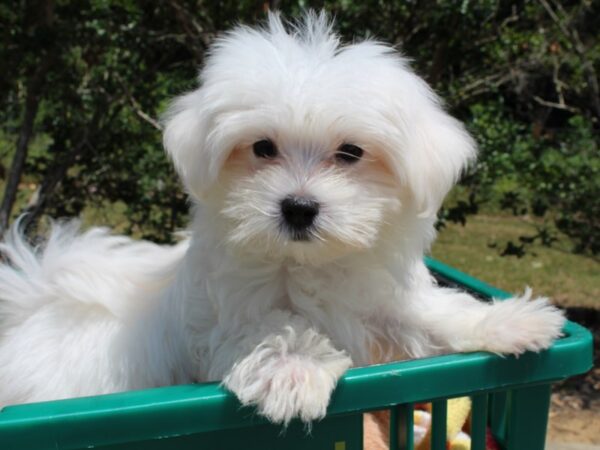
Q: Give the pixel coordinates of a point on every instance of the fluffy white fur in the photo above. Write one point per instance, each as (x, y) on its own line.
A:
(278, 320)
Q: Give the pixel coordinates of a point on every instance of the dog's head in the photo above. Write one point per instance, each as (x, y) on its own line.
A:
(310, 148)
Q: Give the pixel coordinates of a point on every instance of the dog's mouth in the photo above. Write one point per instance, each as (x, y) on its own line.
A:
(298, 235)
(301, 236)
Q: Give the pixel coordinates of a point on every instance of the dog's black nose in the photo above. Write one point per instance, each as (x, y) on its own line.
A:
(299, 212)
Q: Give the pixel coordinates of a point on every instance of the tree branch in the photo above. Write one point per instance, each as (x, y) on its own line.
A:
(573, 37)
(58, 171)
(197, 36)
(32, 102)
(555, 105)
(137, 108)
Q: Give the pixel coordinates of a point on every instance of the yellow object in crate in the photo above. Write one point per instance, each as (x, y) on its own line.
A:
(457, 416)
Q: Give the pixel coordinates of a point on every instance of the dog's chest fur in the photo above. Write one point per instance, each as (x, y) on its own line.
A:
(348, 301)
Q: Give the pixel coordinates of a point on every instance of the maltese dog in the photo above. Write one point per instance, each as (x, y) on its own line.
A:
(316, 169)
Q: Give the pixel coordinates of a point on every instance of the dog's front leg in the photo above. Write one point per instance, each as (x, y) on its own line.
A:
(457, 322)
(285, 368)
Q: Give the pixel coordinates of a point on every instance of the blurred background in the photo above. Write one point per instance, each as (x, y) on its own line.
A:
(83, 84)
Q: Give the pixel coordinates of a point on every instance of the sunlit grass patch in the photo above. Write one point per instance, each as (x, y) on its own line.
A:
(569, 279)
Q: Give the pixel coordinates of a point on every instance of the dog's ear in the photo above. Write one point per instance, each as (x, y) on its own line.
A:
(437, 146)
(187, 142)
(441, 150)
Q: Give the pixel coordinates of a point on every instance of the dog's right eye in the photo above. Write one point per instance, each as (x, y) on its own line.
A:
(349, 153)
(264, 149)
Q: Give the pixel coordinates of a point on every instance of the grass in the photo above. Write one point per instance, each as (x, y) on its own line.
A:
(569, 279)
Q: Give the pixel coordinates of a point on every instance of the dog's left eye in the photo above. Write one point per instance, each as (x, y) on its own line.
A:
(264, 149)
(348, 153)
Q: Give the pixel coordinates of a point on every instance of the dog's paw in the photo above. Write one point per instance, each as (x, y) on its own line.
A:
(520, 324)
(286, 385)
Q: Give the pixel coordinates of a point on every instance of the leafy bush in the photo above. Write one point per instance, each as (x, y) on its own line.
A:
(554, 176)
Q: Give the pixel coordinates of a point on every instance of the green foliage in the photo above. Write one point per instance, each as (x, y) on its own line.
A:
(522, 75)
(555, 176)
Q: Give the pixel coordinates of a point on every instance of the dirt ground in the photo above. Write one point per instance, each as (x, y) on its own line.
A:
(575, 408)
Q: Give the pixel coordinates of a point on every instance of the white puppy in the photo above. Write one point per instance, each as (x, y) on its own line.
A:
(316, 170)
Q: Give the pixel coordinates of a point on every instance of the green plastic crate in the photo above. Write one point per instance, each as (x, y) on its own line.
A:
(510, 395)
